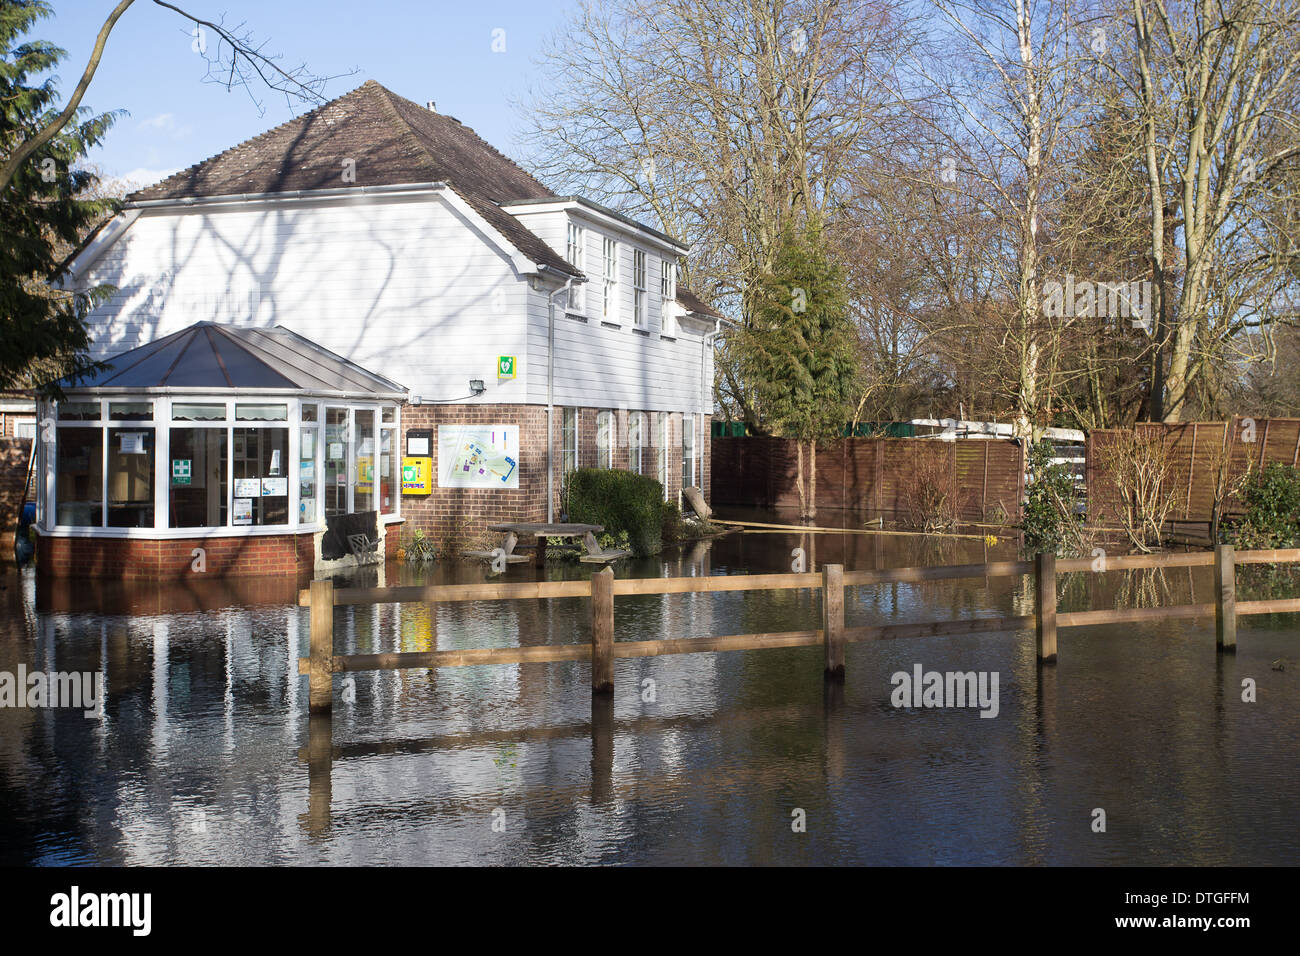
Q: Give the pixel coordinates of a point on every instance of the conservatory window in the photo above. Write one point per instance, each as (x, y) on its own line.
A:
(130, 477)
(79, 467)
(261, 491)
(196, 494)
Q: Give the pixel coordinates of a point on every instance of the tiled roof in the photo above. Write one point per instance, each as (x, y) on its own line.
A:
(693, 303)
(390, 141)
(208, 355)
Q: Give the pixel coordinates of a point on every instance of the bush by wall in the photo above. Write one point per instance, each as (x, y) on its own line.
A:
(1272, 508)
(1049, 521)
(624, 502)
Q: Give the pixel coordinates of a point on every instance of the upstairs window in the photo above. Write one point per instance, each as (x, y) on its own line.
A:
(667, 296)
(609, 301)
(574, 248)
(638, 289)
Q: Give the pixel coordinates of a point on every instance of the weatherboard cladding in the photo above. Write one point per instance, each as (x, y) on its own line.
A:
(208, 355)
(388, 141)
(384, 140)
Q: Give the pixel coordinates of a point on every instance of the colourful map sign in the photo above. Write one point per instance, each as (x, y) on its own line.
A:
(478, 456)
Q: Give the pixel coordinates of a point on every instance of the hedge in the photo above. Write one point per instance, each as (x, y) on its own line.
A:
(621, 501)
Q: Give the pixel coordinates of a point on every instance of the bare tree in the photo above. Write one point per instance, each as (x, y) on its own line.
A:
(1218, 101)
(721, 120)
(236, 58)
(1002, 86)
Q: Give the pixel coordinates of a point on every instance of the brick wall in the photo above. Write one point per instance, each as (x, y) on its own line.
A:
(172, 558)
(466, 511)
(14, 453)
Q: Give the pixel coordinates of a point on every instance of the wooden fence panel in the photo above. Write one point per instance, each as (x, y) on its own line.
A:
(1200, 451)
(871, 475)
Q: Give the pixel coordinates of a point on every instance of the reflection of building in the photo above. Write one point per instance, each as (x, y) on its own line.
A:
(388, 237)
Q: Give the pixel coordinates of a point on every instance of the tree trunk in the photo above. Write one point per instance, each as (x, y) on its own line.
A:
(812, 479)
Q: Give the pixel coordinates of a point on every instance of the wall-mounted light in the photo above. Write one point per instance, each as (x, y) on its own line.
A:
(476, 386)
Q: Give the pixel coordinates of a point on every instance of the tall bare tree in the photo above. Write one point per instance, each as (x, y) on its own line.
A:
(1218, 100)
(723, 121)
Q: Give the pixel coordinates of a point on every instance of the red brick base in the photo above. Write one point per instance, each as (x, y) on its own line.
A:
(172, 558)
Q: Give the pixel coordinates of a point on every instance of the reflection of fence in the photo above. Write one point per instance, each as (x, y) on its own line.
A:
(872, 475)
(1202, 455)
(602, 650)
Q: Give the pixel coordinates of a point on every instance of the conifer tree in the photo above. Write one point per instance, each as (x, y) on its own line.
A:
(45, 212)
(800, 353)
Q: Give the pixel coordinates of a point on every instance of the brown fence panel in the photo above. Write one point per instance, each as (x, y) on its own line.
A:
(14, 454)
(1201, 451)
(872, 475)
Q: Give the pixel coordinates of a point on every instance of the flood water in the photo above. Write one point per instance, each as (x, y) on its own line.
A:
(206, 754)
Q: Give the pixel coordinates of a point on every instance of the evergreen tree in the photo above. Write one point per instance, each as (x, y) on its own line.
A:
(800, 351)
(44, 212)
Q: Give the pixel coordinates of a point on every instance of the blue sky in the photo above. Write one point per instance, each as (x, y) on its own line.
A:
(422, 50)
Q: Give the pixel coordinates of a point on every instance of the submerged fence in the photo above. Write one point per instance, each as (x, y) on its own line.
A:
(602, 589)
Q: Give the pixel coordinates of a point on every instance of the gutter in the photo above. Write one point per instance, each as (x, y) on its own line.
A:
(336, 192)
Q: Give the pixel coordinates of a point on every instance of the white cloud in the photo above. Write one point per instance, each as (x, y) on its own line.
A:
(140, 176)
(166, 123)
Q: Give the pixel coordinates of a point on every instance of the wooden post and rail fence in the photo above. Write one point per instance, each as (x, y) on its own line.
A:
(603, 588)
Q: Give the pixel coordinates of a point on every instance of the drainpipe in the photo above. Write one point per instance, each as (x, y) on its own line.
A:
(550, 394)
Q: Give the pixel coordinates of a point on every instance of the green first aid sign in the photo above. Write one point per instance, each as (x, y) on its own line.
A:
(505, 366)
(180, 471)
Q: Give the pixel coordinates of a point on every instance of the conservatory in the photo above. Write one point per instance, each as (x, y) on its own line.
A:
(218, 448)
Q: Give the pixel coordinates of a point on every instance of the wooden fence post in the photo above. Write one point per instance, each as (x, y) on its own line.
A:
(602, 632)
(833, 620)
(1225, 598)
(1045, 606)
(321, 680)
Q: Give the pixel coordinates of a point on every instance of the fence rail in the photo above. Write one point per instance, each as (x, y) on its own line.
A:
(602, 589)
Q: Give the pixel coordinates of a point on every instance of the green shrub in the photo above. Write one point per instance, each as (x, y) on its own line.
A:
(1272, 508)
(625, 503)
(1049, 518)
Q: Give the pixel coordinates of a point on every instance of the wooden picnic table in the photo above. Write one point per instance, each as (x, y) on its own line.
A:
(540, 531)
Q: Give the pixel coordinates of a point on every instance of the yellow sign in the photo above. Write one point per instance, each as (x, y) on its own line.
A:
(505, 366)
(417, 476)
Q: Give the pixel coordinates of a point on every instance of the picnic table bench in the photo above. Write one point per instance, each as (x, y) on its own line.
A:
(540, 531)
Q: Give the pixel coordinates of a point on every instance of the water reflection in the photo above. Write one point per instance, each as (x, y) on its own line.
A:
(206, 753)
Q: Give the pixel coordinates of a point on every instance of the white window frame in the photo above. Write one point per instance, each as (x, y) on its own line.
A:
(639, 296)
(609, 280)
(667, 297)
(575, 251)
(636, 426)
(565, 437)
(605, 425)
(689, 429)
(162, 423)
